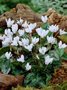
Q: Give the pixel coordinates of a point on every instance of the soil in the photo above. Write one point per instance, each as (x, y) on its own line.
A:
(60, 74)
(7, 81)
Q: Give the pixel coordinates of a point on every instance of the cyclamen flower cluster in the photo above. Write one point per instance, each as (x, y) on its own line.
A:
(15, 36)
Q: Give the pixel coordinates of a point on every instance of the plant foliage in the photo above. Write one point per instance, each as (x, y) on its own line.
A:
(37, 5)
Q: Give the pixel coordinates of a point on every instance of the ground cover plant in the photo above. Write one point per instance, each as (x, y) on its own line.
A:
(31, 51)
(39, 6)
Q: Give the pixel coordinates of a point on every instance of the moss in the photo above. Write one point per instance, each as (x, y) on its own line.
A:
(62, 86)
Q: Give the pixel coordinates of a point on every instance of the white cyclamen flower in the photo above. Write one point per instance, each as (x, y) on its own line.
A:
(28, 30)
(16, 38)
(8, 32)
(51, 39)
(20, 21)
(8, 55)
(9, 22)
(35, 40)
(41, 32)
(25, 41)
(53, 28)
(14, 28)
(25, 24)
(48, 60)
(62, 32)
(28, 66)
(21, 59)
(62, 45)
(42, 50)
(29, 47)
(6, 41)
(30, 27)
(44, 19)
(14, 43)
(21, 32)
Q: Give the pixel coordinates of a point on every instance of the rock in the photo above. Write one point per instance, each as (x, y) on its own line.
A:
(22, 11)
(7, 81)
(56, 18)
(26, 13)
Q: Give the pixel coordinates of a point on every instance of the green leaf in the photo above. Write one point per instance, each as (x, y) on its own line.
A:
(34, 80)
(63, 38)
(4, 65)
(17, 68)
(60, 52)
(45, 26)
(4, 50)
(48, 77)
(64, 57)
(1, 31)
(5, 69)
(3, 8)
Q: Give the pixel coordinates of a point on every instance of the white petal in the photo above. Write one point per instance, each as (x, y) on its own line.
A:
(8, 55)
(32, 26)
(25, 24)
(9, 22)
(21, 59)
(48, 60)
(62, 32)
(35, 40)
(14, 43)
(41, 32)
(53, 28)
(8, 32)
(29, 47)
(28, 66)
(44, 19)
(21, 32)
(14, 28)
(6, 41)
(62, 45)
(25, 42)
(51, 39)
(20, 21)
(42, 50)
(16, 38)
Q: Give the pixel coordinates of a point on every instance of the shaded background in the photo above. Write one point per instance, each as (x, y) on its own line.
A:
(39, 6)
